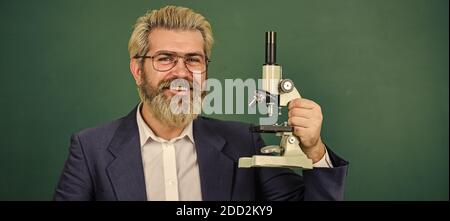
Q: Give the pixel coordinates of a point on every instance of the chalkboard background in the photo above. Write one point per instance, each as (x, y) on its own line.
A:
(378, 68)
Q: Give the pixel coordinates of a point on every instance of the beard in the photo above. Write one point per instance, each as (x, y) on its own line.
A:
(170, 113)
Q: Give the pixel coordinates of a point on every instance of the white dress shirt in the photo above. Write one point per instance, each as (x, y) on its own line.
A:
(170, 166)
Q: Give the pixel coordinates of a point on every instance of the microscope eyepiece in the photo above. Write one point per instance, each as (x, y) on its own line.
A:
(271, 46)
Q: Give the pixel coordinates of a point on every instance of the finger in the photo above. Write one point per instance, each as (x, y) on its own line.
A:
(301, 112)
(300, 122)
(304, 135)
(302, 103)
(301, 132)
(307, 113)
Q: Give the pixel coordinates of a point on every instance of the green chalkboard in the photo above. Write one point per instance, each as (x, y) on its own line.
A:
(378, 68)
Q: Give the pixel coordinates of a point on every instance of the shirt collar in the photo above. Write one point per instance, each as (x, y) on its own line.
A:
(146, 133)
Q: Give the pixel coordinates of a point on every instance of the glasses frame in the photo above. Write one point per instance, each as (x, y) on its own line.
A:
(207, 60)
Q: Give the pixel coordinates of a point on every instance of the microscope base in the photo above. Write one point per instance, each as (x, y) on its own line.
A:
(275, 161)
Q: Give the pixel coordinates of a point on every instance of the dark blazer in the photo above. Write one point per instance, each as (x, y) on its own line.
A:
(105, 163)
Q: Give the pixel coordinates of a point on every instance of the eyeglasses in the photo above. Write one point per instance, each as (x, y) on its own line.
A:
(165, 61)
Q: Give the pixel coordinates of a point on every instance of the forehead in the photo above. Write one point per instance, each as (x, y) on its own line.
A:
(181, 41)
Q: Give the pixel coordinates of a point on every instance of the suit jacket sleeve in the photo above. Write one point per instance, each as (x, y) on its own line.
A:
(316, 184)
(75, 182)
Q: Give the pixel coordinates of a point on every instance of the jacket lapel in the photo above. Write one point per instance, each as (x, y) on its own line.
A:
(126, 172)
(216, 168)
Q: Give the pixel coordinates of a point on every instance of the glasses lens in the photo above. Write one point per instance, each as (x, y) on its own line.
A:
(163, 62)
(195, 63)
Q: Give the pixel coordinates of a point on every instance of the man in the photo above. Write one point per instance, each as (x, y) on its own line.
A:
(156, 154)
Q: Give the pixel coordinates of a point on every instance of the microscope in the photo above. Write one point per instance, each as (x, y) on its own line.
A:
(276, 93)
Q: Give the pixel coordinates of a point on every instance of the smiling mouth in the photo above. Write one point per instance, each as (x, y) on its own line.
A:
(178, 89)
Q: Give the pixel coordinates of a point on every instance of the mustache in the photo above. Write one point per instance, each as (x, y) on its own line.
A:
(165, 84)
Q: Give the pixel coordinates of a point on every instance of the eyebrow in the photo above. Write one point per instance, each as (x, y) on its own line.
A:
(196, 53)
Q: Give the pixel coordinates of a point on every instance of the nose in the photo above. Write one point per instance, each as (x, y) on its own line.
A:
(180, 70)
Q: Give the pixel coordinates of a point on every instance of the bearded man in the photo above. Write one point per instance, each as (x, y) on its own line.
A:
(160, 151)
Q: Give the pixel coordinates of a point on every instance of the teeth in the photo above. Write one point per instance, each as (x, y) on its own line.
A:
(180, 88)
